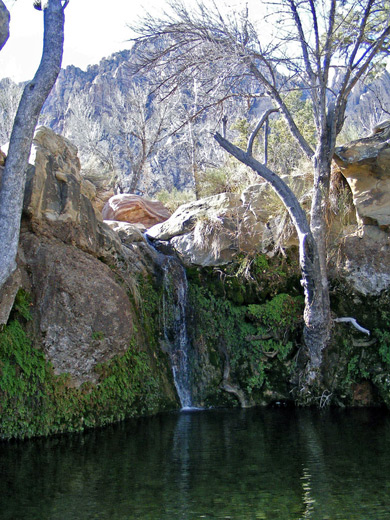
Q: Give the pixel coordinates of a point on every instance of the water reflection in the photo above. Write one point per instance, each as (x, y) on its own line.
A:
(244, 465)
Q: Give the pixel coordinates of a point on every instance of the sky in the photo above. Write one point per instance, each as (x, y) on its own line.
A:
(93, 29)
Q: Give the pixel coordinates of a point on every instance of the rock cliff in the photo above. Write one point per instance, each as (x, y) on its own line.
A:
(84, 313)
(365, 251)
(67, 251)
(87, 341)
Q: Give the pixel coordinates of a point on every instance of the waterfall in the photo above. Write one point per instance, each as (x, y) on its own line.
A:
(175, 326)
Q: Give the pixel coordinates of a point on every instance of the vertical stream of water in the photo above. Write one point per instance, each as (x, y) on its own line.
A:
(175, 327)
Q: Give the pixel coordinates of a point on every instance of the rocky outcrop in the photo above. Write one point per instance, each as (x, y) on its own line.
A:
(365, 164)
(135, 210)
(364, 251)
(212, 231)
(128, 233)
(79, 270)
(57, 198)
(78, 327)
(364, 259)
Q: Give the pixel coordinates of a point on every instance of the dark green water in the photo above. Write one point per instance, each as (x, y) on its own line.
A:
(257, 464)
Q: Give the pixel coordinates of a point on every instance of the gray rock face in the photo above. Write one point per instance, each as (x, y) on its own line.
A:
(79, 327)
(365, 260)
(212, 231)
(77, 268)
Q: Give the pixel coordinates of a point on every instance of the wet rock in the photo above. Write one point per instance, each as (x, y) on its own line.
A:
(363, 394)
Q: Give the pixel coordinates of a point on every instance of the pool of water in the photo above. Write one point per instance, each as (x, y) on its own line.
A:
(239, 464)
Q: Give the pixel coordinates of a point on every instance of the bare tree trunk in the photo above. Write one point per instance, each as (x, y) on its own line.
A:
(266, 132)
(318, 334)
(4, 24)
(317, 309)
(34, 95)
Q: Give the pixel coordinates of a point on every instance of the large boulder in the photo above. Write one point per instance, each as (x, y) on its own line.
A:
(365, 164)
(361, 259)
(57, 198)
(78, 327)
(135, 210)
(212, 231)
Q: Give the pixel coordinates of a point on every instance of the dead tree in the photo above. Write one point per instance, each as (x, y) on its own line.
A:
(311, 41)
(33, 97)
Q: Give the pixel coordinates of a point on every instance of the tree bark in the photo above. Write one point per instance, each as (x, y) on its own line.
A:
(317, 310)
(14, 174)
(4, 24)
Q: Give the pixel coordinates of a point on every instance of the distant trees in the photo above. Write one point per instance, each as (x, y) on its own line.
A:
(34, 95)
(10, 94)
(139, 131)
(124, 134)
(321, 47)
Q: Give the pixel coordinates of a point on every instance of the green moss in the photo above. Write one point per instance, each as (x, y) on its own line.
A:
(282, 313)
(258, 339)
(23, 303)
(97, 335)
(35, 401)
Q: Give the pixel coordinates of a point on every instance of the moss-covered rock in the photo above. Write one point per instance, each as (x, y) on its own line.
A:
(34, 400)
(244, 339)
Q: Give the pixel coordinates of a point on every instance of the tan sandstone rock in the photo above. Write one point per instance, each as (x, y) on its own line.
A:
(57, 198)
(135, 210)
(365, 164)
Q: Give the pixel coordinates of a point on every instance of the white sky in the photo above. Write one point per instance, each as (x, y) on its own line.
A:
(93, 29)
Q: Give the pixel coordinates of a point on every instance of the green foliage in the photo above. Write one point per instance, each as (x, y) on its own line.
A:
(126, 388)
(35, 401)
(97, 335)
(241, 333)
(252, 277)
(149, 313)
(383, 335)
(233, 177)
(384, 344)
(284, 153)
(283, 312)
(23, 303)
(175, 198)
(242, 126)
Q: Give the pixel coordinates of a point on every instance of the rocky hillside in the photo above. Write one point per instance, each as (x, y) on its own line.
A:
(124, 132)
